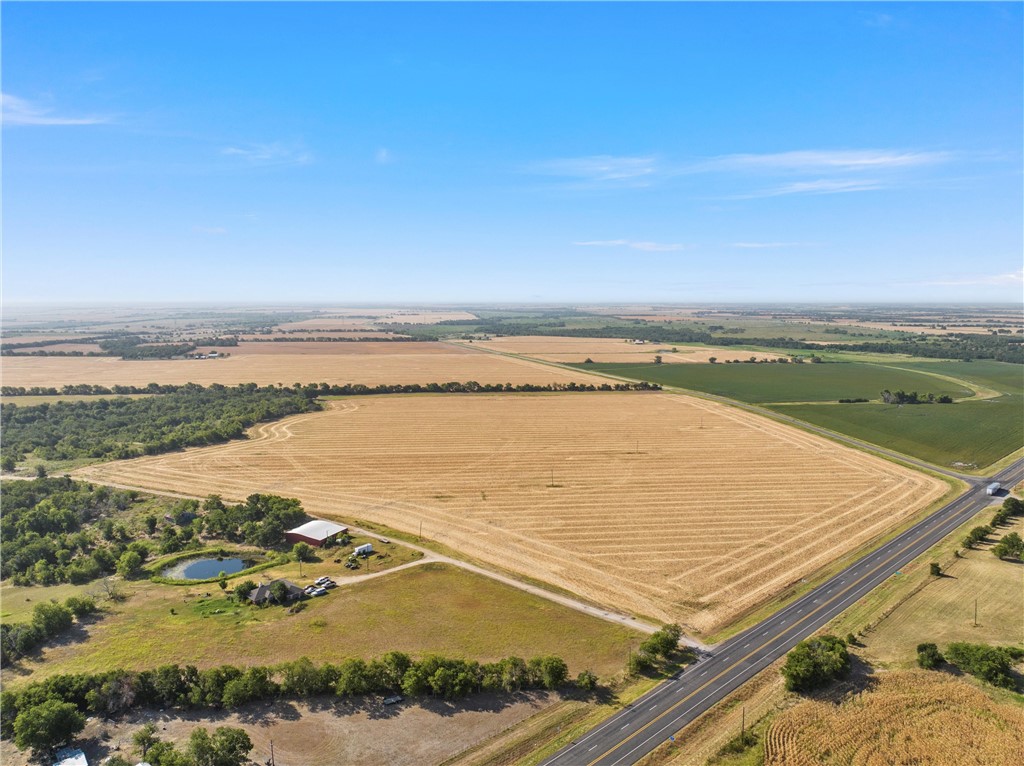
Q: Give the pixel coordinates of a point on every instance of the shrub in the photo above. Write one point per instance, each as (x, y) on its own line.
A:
(928, 656)
(815, 662)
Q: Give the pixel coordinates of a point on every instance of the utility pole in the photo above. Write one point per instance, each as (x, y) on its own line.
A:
(272, 763)
(743, 723)
(975, 612)
(420, 535)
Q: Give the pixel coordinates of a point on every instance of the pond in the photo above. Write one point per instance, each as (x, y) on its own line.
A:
(204, 569)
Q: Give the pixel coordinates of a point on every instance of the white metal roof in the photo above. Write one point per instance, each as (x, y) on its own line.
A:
(318, 529)
(69, 757)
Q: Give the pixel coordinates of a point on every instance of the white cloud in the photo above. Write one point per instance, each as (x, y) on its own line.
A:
(600, 170)
(650, 247)
(270, 154)
(18, 111)
(820, 186)
(1013, 278)
(383, 156)
(813, 161)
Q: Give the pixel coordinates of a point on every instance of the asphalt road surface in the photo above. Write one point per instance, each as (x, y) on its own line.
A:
(652, 719)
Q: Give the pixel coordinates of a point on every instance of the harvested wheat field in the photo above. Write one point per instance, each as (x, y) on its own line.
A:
(367, 363)
(719, 510)
(913, 717)
(575, 350)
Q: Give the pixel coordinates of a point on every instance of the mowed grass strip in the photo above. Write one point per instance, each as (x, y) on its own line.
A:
(972, 433)
(761, 383)
(433, 608)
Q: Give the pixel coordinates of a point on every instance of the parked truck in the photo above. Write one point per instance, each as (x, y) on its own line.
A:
(993, 488)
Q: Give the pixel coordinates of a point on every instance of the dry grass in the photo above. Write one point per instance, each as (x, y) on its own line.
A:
(943, 611)
(574, 350)
(362, 348)
(912, 717)
(325, 731)
(335, 363)
(718, 511)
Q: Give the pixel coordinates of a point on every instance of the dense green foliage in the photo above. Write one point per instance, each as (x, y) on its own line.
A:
(123, 428)
(49, 620)
(663, 644)
(757, 383)
(1010, 546)
(815, 662)
(59, 530)
(261, 520)
(929, 657)
(46, 726)
(119, 691)
(993, 664)
(976, 535)
(1011, 508)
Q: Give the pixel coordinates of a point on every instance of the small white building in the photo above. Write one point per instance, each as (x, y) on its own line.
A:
(69, 756)
(365, 549)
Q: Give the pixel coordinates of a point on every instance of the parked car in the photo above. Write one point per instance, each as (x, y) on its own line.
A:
(329, 584)
(393, 700)
(384, 540)
(322, 580)
(319, 592)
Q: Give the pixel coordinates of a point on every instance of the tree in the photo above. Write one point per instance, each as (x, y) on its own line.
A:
(227, 747)
(815, 662)
(51, 619)
(47, 726)
(936, 569)
(279, 592)
(657, 359)
(1011, 546)
(712, 359)
(144, 739)
(586, 681)
(929, 656)
(553, 672)
(129, 564)
(243, 589)
(40, 471)
(8, 464)
(302, 552)
(150, 522)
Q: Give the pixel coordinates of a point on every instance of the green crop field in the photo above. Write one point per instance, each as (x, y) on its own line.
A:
(432, 608)
(762, 383)
(973, 433)
(1004, 377)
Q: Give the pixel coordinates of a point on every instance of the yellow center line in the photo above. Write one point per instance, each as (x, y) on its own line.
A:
(743, 659)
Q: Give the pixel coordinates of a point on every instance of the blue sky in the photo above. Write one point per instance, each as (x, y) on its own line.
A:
(513, 152)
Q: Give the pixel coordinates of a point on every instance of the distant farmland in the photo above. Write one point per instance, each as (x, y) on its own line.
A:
(977, 431)
(759, 383)
(367, 363)
(665, 505)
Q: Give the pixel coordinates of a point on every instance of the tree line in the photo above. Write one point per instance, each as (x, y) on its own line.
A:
(912, 397)
(117, 692)
(992, 664)
(124, 428)
(59, 530)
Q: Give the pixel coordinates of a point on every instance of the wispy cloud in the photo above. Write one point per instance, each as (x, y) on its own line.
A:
(650, 247)
(819, 186)
(816, 161)
(19, 111)
(599, 170)
(270, 154)
(383, 157)
(1012, 278)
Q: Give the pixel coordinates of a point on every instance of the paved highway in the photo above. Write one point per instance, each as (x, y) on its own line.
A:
(643, 725)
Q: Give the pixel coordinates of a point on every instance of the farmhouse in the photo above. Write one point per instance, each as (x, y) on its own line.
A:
(261, 593)
(316, 532)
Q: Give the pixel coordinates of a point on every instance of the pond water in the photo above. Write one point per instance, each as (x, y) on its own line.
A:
(203, 569)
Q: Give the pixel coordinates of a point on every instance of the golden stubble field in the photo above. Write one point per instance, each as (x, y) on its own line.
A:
(662, 505)
(575, 350)
(271, 363)
(918, 717)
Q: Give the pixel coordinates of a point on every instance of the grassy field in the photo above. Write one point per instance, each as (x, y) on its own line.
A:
(428, 608)
(761, 383)
(902, 718)
(965, 434)
(662, 505)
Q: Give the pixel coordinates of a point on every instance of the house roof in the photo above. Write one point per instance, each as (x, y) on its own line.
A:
(318, 529)
(262, 591)
(70, 757)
